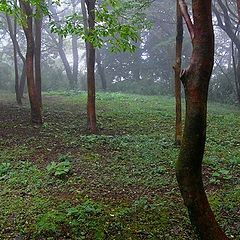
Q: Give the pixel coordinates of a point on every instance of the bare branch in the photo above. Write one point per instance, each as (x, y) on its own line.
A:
(186, 16)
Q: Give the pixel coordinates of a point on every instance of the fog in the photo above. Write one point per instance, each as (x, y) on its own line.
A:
(147, 71)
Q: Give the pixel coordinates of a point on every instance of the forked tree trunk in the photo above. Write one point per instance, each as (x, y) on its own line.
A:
(91, 108)
(177, 69)
(36, 114)
(196, 81)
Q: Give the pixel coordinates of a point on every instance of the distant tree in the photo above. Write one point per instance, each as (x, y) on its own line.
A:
(195, 80)
(13, 34)
(71, 70)
(228, 19)
(116, 22)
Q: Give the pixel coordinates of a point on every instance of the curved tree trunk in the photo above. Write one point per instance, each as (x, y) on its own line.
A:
(36, 113)
(196, 81)
(13, 32)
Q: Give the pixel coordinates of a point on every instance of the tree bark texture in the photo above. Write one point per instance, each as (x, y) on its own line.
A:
(177, 68)
(91, 108)
(37, 55)
(189, 165)
(36, 113)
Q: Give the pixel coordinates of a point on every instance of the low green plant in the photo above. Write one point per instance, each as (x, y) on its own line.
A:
(220, 174)
(4, 169)
(50, 223)
(59, 169)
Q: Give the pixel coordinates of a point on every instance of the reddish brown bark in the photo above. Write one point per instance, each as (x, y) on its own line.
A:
(36, 114)
(91, 108)
(189, 166)
(177, 68)
(37, 55)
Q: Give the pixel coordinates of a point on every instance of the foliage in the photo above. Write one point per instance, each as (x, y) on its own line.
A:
(60, 169)
(117, 22)
(4, 169)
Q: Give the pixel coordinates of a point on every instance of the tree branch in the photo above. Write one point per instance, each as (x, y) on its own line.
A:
(186, 16)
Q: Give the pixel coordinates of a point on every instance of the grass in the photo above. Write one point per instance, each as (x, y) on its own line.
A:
(59, 182)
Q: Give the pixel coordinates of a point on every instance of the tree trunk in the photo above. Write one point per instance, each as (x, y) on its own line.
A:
(13, 36)
(91, 109)
(101, 71)
(36, 114)
(137, 62)
(38, 38)
(236, 68)
(75, 53)
(75, 60)
(23, 79)
(177, 68)
(196, 81)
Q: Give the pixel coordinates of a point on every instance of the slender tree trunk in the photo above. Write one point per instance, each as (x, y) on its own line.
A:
(23, 79)
(236, 68)
(13, 32)
(196, 81)
(177, 68)
(38, 38)
(75, 60)
(100, 69)
(36, 113)
(91, 109)
(137, 62)
(75, 52)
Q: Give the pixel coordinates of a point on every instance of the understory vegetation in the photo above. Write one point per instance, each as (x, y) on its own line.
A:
(59, 182)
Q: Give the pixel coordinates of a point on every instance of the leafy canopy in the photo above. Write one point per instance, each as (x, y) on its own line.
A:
(118, 22)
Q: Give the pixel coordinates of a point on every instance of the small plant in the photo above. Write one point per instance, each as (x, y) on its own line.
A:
(220, 174)
(4, 169)
(50, 222)
(59, 169)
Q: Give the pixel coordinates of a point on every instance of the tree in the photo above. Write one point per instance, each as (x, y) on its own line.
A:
(228, 19)
(13, 34)
(177, 68)
(91, 58)
(35, 103)
(195, 80)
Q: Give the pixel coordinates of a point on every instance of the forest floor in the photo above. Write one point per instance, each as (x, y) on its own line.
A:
(59, 182)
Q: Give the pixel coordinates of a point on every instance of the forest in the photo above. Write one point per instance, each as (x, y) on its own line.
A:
(119, 120)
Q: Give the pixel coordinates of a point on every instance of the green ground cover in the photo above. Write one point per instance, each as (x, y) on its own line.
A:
(59, 182)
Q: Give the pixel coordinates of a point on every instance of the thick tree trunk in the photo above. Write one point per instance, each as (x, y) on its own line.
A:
(91, 109)
(101, 71)
(177, 68)
(38, 38)
(36, 114)
(196, 81)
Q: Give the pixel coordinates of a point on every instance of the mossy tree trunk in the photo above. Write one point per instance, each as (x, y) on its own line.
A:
(196, 81)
